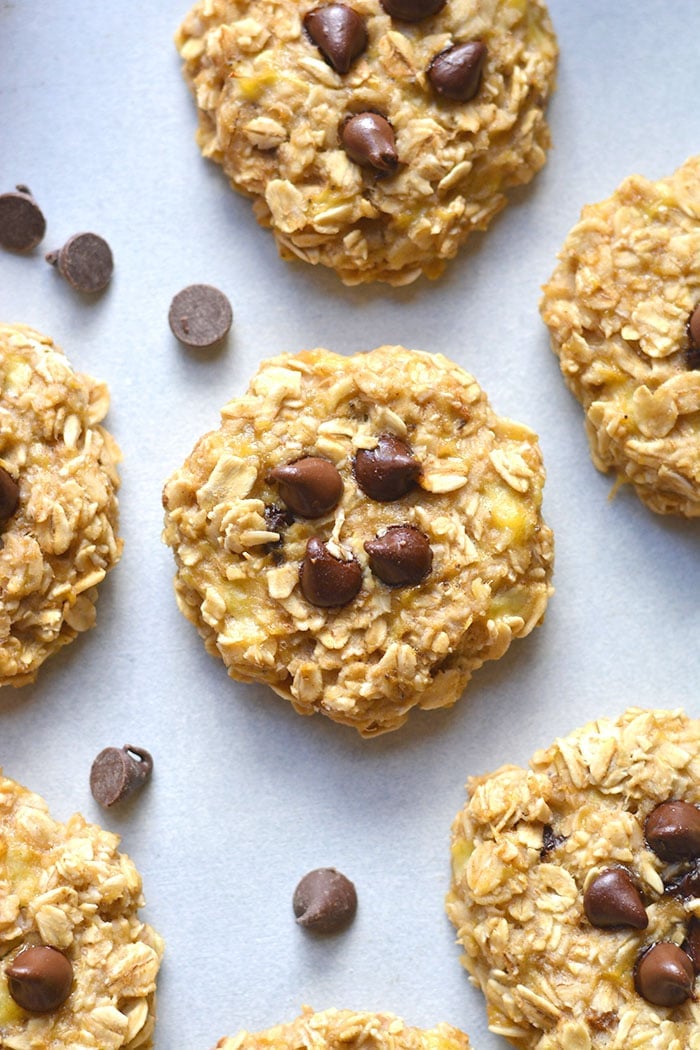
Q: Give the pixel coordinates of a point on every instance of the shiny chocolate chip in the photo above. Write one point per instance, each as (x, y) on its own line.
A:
(325, 580)
(550, 841)
(612, 899)
(388, 471)
(412, 10)
(400, 557)
(86, 262)
(456, 72)
(9, 496)
(368, 139)
(692, 943)
(119, 772)
(694, 327)
(39, 979)
(22, 224)
(310, 487)
(338, 32)
(664, 975)
(325, 901)
(672, 830)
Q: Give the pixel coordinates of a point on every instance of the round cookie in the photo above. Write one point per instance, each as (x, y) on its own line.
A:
(58, 506)
(68, 896)
(451, 107)
(575, 887)
(361, 533)
(341, 1029)
(619, 306)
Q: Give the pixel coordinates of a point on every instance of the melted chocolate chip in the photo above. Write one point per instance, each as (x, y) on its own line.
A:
(694, 328)
(672, 830)
(368, 139)
(664, 975)
(277, 518)
(22, 224)
(692, 943)
(401, 557)
(311, 487)
(200, 316)
(86, 262)
(550, 841)
(327, 581)
(9, 496)
(456, 72)
(118, 772)
(39, 979)
(612, 899)
(387, 472)
(686, 885)
(412, 10)
(338, 32)
(692, 358)
(325, 901)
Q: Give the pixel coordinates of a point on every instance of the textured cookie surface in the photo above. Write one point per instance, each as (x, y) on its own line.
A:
(60, 541)
(531, 842)
(347, 1030)
(618, 307)
(475, 505)
(271, 111)
(67, 887)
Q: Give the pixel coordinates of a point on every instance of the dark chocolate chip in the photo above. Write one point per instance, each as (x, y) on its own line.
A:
(311, 487)
(9, 496)
(664, 975)
(550, 841)
(200, 316)
(612, 899)
(277, 518)
(672, 830)
(692, 358)
(400, 557)
(338, 32)
(456, 71)
(118, 772)
(387, 472)
(22, 224)
(86, 262)
(412, 10)
(686, 885)
(694, 327)
(692, 943)
(368, 139)
(325, 580)
(39, 979)
(325, 901)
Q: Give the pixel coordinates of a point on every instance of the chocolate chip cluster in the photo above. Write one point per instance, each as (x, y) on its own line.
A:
(311, 487)
(341, 36)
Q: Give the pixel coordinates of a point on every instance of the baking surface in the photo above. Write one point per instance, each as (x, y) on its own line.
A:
(246, 795)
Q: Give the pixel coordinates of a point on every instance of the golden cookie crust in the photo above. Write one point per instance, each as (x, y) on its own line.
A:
(61, 541)
(618, 306)
(370, 661)
(551, 979)
(270, 108)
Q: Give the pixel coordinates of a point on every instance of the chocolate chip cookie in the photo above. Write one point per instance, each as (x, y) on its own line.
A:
(374, 136)
(361, 533)
(576, 887)
(58, 506)
(623, 308)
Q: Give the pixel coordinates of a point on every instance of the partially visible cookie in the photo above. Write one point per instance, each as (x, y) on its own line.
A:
(58, 505)
(623, 309)
(373, 137)
(576, 887)
(361, 533)
(77, 966)
(341, 1029)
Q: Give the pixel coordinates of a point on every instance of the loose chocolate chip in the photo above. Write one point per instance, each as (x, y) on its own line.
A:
(39, 979)
(9, 496)
(686, 885)
(401, 557)
(550, 841)
(325, 580)
(22, 224)
(692, 943)
(412, 10)
(456, 71)
(387, 472)
(325, 901)
(612, 899)
(664, 975)
(86, 262)
(311, 487)
(368, 139)
(672, 830)
(200, 316)
(338, 32)
(694, 327)
(118, 772)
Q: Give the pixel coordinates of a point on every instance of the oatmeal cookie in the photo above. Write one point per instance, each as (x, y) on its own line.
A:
(576, 888)
(77, 966)
(345, 1029)
(623, 308)
(361, 533)
(58, 507)
(373, 136)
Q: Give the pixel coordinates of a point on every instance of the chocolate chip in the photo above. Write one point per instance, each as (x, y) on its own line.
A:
(387, 472)
(86, 262)
(39, 979)
(694, 327)
(691, 945)
(338, 32)
(684, 886)
(550, 841)
(664, 975)
(401, 557)
(200, 316)
(9, 496)
(22, 224)
(311, 487)
(456, 71)
(612, 899)
(368, 139)
(277, 518)
(672, 830)
(692, 358)
(325, 580)
(412, 10)
(118, 772)
(325, 901)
